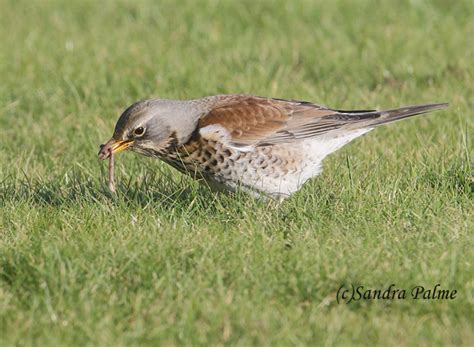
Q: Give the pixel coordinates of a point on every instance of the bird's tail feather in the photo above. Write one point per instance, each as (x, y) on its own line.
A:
(393, 115)
(358, 119)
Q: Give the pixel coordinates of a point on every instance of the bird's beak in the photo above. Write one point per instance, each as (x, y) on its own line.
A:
(113, 146)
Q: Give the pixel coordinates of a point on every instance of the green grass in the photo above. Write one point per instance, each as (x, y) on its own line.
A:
(167, 262)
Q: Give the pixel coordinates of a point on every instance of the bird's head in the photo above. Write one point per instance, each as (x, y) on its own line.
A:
(150, 126)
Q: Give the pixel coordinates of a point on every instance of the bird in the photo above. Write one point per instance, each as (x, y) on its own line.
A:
(268, 147)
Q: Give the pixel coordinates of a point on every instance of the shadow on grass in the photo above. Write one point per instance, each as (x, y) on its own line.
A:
(76, 187)
(174, 194)
(164, 190)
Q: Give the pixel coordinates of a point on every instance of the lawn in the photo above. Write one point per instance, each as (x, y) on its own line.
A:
(168, 262)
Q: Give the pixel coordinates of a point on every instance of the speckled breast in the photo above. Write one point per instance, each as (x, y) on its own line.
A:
(261, 169)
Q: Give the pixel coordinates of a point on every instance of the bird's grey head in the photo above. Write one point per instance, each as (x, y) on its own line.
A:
(149, 126)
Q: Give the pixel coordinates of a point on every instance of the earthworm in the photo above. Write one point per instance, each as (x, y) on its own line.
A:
(111, 172)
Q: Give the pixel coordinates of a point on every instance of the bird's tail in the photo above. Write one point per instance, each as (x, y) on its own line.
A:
(376, 118)
(393, 115)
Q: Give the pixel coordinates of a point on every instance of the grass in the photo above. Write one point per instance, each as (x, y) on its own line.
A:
(167, 262)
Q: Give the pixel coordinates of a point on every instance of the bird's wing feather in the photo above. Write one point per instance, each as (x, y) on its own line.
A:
(256, 121)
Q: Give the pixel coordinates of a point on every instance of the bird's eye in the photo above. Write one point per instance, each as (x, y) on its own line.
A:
(139, 131)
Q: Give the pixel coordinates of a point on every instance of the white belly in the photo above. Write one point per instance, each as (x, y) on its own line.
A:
(303, 161)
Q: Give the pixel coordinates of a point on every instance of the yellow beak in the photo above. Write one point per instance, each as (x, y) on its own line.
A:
(120, 146)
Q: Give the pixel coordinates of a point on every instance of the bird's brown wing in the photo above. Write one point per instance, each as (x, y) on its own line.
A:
(257, 121)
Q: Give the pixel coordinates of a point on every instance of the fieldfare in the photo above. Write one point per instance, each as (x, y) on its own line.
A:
(265, 146)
